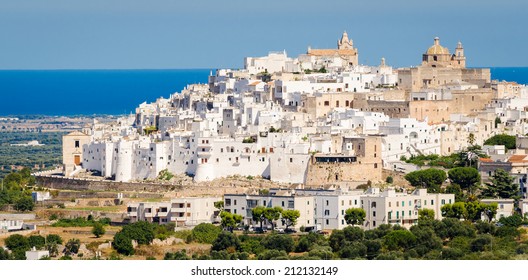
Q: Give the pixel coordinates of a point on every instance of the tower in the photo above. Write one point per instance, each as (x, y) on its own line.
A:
(459, 59)
(345, 43)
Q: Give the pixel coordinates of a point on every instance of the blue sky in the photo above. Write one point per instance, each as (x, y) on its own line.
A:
(134, 34)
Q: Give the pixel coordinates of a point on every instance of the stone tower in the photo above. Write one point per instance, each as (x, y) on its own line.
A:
(459, 59)
(345, 43)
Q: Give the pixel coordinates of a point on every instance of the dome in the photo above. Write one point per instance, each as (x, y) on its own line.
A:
(437, 48)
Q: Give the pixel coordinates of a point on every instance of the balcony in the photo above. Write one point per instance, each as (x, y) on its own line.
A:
(204, 154)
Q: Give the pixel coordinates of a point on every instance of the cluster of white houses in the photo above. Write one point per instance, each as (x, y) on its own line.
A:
(322, 209)
(318, 119)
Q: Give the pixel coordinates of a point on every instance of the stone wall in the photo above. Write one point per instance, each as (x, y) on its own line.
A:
(62, 183)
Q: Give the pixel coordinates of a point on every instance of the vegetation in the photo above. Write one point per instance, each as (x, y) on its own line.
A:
(17, 190)
(72, 246)
(501, 139)
(230, 221)
(205, 233)
(80, 222)
(501, 186)
(431, 179)
(355, 216)
(48, 155)
(165, 175)
(467, 178)
(289, 217)
(98, 230)
(142, 232)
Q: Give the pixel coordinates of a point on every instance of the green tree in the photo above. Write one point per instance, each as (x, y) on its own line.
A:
(37, 241)
(226, 240)
(206, 233)
(355, 216)
(230, 221)
(456, 210)
(17, 242)
(123, 244)
(502, 139)
(54, 238)
(272, 214)
(219, 205)
(473, 211)
(72, 246)
(426, 215)
(501, 186)
(399, 240)
(289, 217)
(489, 210)
(465, 177)
(471, 139)
(282, 242)
(258, 214)
(98, 230)
(389, 180)
(430, 178)
(25, 203)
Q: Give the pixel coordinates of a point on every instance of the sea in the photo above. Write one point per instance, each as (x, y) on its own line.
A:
(115, 92)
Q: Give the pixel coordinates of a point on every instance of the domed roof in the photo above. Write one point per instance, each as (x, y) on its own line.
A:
(437, 48)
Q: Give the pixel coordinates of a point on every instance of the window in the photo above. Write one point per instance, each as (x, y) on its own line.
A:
(425, 202)
(282, 203)
(397, 204)
(403, 203)
(373, 213)
(443, 201)
(327, 221)
(390, 215)
(291, 159)
(327, 203)
(77, 144)
(342, 212)
(374, 223)
(410, 213)
(355, 201)
(327, 103)
(432, 202)
(327, 212)
(234, 202)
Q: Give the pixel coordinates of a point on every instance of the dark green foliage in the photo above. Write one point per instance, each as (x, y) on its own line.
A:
(179, 255)
(389, 180)
(251, 244)
(4, 254)
(53, 238)
(98, 230)
(72, 246)
(507, 231)
(513, 220)
(399, 240)
(485, 228)
(80, 222)
(17, 242)
(37, 241)
(465, 177)
(456, 190)
(49, 155)
(353, 233)
(273, 255)
(502, 139)
(226, 240)
(24, 203)
(205, 233)
(354, 250)
(142, 232)
(431, 179)
(502, 185)
(452, 253)
(66, 258)
(281, 242)
(481, 243)
(123, 244)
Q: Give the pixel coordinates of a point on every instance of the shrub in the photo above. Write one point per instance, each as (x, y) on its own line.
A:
(205, 233)
(98, 230)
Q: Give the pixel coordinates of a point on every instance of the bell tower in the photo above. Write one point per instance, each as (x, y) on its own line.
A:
(459, 58)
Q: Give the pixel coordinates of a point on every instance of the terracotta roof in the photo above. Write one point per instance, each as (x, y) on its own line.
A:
(486, 159)
(517, 158)
(331, 52)
(255, 83)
